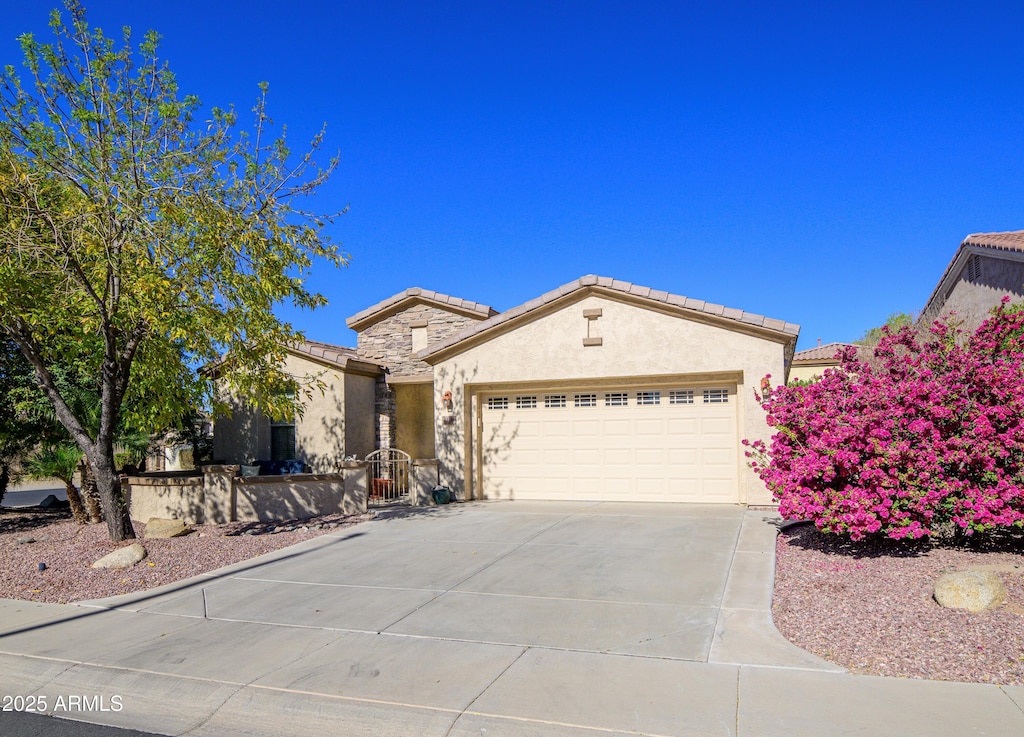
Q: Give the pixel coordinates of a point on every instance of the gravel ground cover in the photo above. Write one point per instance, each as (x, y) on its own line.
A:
(32, 536)
(869, 607)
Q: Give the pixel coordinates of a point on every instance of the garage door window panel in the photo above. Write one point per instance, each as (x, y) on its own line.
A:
(585, 400)
(716, 396)
(648, 398)
(680, 396)
(616, 399)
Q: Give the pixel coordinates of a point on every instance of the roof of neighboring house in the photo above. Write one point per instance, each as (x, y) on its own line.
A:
(394, 303)
(819, 353)
(1011, 241)
(608, 284)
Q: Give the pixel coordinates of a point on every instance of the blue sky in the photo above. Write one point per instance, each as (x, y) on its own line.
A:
(814, 162)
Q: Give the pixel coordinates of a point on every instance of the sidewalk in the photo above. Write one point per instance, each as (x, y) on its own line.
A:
(396, 668)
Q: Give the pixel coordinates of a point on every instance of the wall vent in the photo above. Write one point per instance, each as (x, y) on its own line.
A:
(973, 269)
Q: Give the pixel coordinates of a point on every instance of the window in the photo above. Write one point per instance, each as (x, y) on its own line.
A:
(282, 440)
(716, 396)
(652, 397)
(282, 431)
(586, 400)
(497, 402)
(554, 400)
(526, 402)
(680, 396)
(616, 399)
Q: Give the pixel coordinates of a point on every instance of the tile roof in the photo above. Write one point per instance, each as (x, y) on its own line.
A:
(615, 285)
(1010, 240)
(820, 352)
(443, 300)
(334, 354)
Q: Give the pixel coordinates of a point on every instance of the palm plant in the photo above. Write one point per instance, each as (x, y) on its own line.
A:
(60, 461)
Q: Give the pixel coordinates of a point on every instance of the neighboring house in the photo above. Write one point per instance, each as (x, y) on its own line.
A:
(986, 268)
(598, 390)
(812, 362)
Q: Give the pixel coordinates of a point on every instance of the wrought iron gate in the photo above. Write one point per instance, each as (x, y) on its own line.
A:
(389, 476)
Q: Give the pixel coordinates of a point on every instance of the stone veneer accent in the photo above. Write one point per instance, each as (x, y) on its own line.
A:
(389, 342)
(384, 406)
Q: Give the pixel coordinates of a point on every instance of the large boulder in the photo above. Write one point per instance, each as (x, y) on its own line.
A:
(122, 557)
(974, 591)
(161, 528)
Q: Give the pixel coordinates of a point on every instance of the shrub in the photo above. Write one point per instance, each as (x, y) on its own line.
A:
(929, 435)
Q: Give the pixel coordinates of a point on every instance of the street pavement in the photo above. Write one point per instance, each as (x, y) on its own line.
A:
(483, 619)
(30, 493)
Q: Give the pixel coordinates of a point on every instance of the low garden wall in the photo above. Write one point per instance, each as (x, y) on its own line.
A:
(219, 495)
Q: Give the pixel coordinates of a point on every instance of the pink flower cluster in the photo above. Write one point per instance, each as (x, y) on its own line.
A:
(927, 436)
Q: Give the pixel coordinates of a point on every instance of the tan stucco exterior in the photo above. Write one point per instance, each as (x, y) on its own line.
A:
(336, 421)
(414, 419)
(242, 435)
(807, 371)
(631, 340)
(973, 296)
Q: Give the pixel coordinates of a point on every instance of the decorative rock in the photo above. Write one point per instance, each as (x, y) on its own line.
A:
(974, 591)
(49, 501)
(163, 528)
(122, 557)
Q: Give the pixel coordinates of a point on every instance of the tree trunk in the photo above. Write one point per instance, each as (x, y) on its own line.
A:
(91, 494)
(108, 484)
(75, 501)
(5, 478)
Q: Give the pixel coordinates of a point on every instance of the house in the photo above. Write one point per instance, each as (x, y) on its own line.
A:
(985, 268)
(337, 424)
(597, 390)
(812, 362)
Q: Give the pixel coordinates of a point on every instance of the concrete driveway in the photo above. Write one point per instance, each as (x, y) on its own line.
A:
(571, 620)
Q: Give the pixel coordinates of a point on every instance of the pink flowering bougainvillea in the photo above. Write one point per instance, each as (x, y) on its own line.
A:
(927, 437)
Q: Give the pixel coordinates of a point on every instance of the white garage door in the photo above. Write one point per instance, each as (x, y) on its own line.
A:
(611, 444)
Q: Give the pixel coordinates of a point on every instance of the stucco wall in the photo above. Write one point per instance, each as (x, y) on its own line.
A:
(320, 431)
(359, 424)
(973, 300)
(415, 419)
(219, 496)
(242, 436)
(635, 342)
(337, 420)
(806, 372)
(167, 498)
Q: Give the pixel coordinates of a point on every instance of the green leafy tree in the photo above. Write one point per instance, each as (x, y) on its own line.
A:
(894, 322)
(140, 241)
